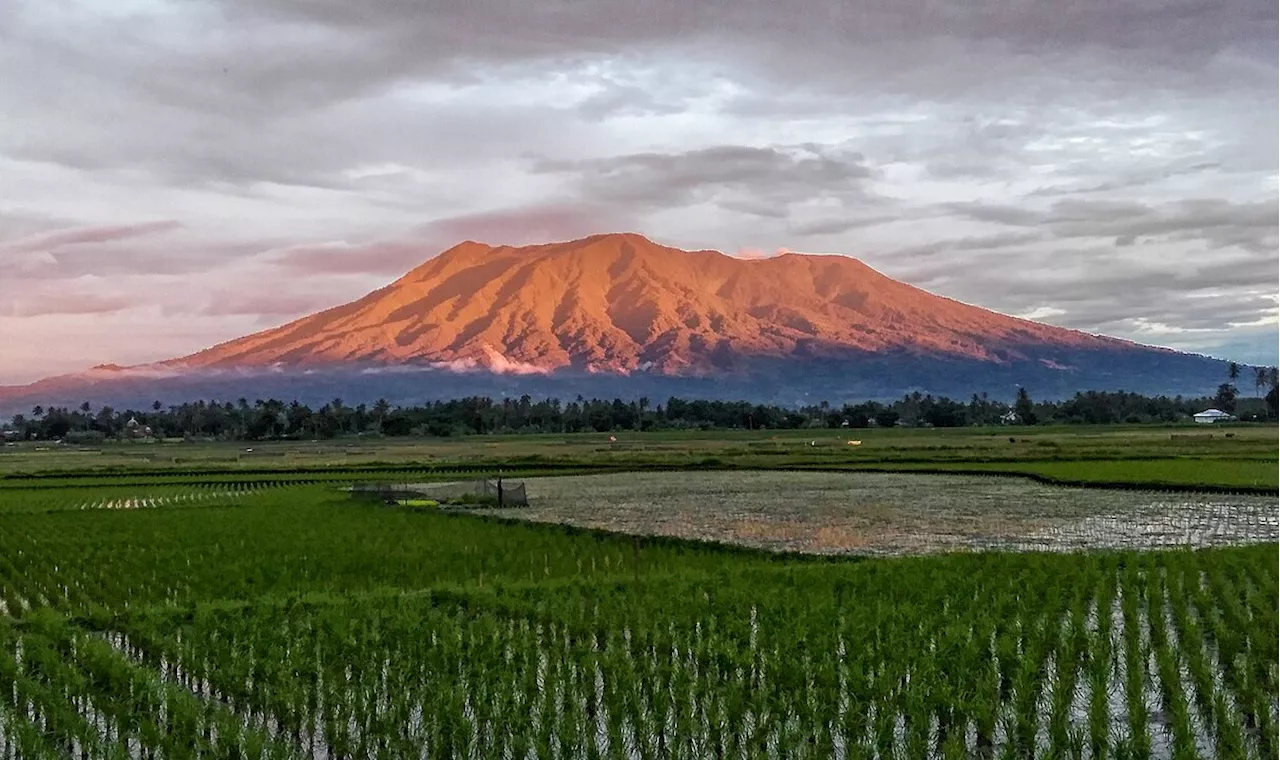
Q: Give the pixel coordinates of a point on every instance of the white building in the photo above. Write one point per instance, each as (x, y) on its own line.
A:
(1210, 416)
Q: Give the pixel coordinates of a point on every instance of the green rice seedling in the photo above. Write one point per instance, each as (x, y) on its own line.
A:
(1135, 659)
(1170, 682)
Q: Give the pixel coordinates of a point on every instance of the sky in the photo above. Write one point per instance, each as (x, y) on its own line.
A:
(176, 174)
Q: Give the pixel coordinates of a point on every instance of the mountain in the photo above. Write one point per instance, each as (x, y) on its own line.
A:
(621, 314)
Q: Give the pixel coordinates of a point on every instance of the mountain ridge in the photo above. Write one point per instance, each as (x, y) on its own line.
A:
(621, 303)
(620, 312)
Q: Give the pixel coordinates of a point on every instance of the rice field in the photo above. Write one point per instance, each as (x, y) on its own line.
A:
(895, 513)
(293, 621)
(1159, 655)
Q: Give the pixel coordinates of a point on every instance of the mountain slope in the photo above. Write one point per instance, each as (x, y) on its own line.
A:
(618, 315)
(621, 303)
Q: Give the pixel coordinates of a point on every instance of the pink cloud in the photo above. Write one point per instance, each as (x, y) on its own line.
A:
(268, 303)
(66, 303)
(391, 257)
(755, 254)
(85, 235)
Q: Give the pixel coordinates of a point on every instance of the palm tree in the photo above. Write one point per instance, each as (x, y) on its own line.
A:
(1233, 371)
(1259, 379)
(339, 413)
(242, 407)
(380, 409)
(37, 411)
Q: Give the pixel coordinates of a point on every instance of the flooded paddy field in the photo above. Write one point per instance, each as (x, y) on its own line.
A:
(895, 513)
(304, 624)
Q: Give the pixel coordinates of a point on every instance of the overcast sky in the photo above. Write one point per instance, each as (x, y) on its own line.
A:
(174, 174)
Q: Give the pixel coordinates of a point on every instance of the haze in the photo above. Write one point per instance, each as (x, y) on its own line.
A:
(173, 175)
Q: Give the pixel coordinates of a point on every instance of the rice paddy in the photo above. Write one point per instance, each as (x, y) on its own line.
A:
(244, 614)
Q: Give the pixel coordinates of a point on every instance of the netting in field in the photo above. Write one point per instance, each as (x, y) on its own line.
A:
(506, 493)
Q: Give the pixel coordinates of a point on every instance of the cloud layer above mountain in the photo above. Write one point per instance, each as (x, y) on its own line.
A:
(177, 174)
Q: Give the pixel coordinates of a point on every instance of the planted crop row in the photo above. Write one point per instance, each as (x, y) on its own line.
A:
(72, 695)
(301, 623)
(285, 476)
(1016, 656)
(124, 497)
(298, 540)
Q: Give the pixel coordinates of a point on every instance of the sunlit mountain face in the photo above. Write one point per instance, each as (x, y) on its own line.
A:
(622, 313)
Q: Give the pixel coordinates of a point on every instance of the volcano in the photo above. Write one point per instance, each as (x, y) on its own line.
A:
(619, 313)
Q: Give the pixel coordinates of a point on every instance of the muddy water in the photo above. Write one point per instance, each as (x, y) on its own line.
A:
(895, 513)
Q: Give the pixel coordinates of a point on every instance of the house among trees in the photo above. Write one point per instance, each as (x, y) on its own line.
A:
(1210, 416)
(137, 430)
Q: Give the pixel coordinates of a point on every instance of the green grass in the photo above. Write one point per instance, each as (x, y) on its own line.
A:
(418, 503)
(1190, 473)
(1149, 456)
(739, 448)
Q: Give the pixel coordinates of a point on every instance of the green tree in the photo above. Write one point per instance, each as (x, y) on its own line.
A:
(338, 411)
(1225, 398)
(1024, 408)
(380, 410)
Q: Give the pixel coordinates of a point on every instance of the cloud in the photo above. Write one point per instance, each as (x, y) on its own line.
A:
(81, 302)
(268, 305)
(732, 177)
(87, 235)
(389, 257)
(523, 225)
(1099, 159)
(1219, 223)
(755, 254)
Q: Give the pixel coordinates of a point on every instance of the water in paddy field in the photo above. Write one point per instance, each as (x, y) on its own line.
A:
(897, 513)
(1197, 523)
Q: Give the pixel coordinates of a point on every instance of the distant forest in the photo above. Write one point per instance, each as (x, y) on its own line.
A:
(272, 419)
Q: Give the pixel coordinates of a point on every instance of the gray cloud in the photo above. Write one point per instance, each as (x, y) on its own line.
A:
(750, 180)
(1137, 179)
(424, 38)
(1219, 223)
(1096, 161)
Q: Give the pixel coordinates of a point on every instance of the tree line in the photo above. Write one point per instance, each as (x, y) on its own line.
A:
(266, 419)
